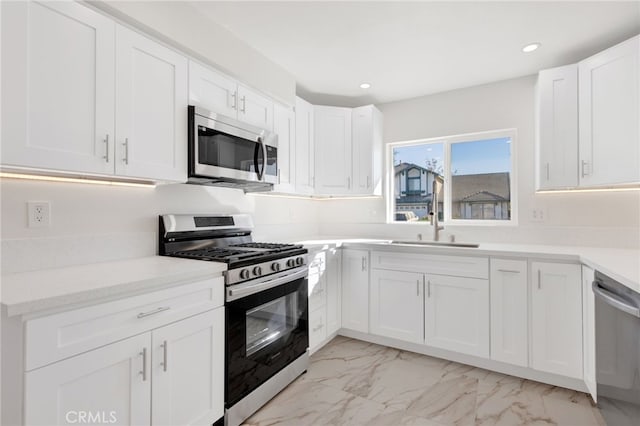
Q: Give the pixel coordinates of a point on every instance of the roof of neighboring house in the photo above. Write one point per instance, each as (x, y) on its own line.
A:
(481, 187)
(405, 166)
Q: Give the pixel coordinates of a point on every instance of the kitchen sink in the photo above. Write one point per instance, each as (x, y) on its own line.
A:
(436, 244)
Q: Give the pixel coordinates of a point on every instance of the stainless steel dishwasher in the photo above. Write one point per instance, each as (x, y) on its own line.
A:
(617, 313)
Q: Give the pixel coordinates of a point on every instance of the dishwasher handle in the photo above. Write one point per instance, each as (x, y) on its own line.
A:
(614, 300)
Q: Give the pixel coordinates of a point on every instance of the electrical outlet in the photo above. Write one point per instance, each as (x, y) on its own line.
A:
(39, 214)
(537, 215)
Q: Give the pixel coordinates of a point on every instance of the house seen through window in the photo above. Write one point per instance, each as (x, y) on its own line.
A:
(475, 170)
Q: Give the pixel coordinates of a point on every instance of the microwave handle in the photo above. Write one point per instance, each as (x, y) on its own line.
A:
(260, 167)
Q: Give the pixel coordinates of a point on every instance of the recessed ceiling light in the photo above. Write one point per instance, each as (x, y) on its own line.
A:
(530, 47)
(365, 85)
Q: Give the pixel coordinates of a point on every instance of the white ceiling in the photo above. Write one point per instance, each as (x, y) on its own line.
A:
(410, 49)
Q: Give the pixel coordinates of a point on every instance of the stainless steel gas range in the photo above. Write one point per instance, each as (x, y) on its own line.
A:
(267, 337)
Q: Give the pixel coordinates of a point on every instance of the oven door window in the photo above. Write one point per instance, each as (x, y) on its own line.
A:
(222, 150)
(271, 321)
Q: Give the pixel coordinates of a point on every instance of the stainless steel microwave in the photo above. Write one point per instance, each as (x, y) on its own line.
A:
(226, 152)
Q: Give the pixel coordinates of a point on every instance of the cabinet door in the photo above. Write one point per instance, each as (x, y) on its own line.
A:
(284, 126)
(556, 318)
(112, 384)
(367, 150)
(558, 127)
(334, 290)
(151, 109)
(355, 290)
(457, 314)
(57, 87)
(589, 331)
(212, 91)
(609, 92)
(317, 328)
(304, 152)
(397, 305)
(509, 311)
(188, 371)
(317, 287)
(255, 109)
(333, 149)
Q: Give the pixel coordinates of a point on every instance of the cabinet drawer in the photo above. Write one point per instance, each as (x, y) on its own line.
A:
(459, 266)
(54, 337)
(317, 327)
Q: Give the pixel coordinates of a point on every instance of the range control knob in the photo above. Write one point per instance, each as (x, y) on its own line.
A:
(244, 274)
(300, 261)
(275, 266)
(257, 271)
(291, 263)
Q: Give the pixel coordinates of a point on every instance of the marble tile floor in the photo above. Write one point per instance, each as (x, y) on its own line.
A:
(350, 382)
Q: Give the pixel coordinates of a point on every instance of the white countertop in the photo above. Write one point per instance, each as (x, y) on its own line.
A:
(29, 292)
(622, 265)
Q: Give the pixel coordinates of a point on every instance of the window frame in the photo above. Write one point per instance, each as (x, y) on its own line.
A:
(447, 142)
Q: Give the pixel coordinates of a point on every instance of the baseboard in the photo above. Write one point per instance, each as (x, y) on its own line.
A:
(488, 364)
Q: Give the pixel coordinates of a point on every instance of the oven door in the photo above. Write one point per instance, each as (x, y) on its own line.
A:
(266, 331)
(222, 150)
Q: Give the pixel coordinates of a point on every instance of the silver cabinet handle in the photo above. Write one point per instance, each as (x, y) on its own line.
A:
(364, 263)
(244, 104)
(539, 279)
(547, 171)
(368, 181)
(234, 98)
(513, 271)
(349, 182)
(278, 176)
(106, 148)
(584, 164)
(153, 312)
(417, 287)
(164, 352)
(428, 288)
(144, 364)
(126, 151)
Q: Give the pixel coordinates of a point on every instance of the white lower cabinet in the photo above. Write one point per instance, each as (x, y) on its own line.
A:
(556, 318)
(589, 331)
(355, 290)
(111, 384)
(457, 314)
(324, 296)
(397, 305)
(509, 311)
(170, 375)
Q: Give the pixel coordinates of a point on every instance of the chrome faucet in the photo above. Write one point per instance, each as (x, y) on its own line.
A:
(437, 186)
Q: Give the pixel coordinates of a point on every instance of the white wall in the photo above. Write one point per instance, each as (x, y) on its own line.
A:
(594, 219)
(92, 223)
(179, 24)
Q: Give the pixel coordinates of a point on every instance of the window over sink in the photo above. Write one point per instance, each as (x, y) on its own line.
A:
(476, 173)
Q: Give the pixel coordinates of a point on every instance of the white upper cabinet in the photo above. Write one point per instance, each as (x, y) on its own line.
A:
(557, 136)
(367, 150)
(217, 93)
(58, 87)
(89, 96)
(212, 91)
(609, 93)
(304, 148)
(556, 318)
(284, 125)
(396, 305)
(254, 108)
(509, 311)
(151, 109)
(333, 150)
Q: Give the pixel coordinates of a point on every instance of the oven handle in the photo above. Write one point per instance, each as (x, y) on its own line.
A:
(237, 293)
(614, 300)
